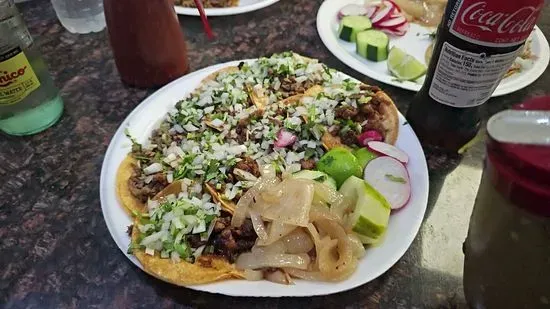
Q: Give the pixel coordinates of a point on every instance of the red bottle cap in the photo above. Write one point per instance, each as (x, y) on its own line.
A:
(518, 155)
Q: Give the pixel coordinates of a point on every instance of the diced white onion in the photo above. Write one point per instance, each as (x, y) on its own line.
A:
(217, 123)
(150, 251)
(178, 128)
(189, 127)
(175, 257)
(153, 168)
(169, 158)
(152, 238)
(199, 228)
(152, 204)
(198, 251)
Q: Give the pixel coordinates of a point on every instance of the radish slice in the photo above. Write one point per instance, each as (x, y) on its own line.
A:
(395, 33)
(382, 14)
(399, 30)
(368, 136)
(393, 22)
(397, 8)
(371, 11)
(352, 9)
(388, 150)
(285, 138)
(390, 178)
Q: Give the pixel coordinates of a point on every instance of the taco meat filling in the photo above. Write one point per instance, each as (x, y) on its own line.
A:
(144, 190)
(248, 165)
(229, 241)
(369, 116)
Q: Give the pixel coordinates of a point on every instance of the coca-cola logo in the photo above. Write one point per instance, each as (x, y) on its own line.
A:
(496, 21)
(478, 15)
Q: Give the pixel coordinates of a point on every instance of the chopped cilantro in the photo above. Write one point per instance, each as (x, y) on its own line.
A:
(309, 153)
(183, 250)
(209, 218)
(321, 178)
(136, 147)
(348, 84)
(327, 70)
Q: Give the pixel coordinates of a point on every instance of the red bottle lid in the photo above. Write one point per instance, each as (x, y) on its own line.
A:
(518, 155)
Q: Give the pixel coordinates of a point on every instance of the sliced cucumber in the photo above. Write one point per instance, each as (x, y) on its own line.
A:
(317, 176)
(373, 45)
(350, 26)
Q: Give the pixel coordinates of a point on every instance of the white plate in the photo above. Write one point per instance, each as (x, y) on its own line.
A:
(414, 43)
(243, 7)
(402, 228)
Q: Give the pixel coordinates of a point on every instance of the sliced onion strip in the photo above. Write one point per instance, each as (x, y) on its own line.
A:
(241, 209)
(258, 260)
(258, 224)
(253, 275)
(277, 230)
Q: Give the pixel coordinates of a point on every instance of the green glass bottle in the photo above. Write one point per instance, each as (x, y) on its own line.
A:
(29, 101)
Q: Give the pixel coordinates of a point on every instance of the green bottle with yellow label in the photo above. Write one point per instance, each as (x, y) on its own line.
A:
(29, 101)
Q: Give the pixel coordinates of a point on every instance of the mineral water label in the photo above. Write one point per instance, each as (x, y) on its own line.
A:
(17, 78)
(464, 79)
(494, 23)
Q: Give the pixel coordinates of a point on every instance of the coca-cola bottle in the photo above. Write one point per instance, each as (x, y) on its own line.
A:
(477, 42)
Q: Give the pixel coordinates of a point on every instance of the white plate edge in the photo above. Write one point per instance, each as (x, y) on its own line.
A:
(225, 11)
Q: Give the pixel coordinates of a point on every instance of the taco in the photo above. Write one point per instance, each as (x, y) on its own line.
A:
(174, 252)
(275, 115)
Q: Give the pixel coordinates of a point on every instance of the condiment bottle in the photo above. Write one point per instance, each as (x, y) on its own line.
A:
(147, 41)
(477, 42)
(507, 251)
(29, 100)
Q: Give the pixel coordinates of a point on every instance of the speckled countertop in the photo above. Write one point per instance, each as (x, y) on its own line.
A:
(55, 249)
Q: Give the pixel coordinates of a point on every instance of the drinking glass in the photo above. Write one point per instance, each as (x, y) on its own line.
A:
(80, 16)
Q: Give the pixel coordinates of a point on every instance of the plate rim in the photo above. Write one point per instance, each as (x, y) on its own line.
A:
(180, 10)
(331, 43)
(211, 288)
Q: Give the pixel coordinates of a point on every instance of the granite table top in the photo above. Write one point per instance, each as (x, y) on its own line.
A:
(56, 249)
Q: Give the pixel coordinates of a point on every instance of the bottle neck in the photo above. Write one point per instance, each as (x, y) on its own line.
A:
(13, 31)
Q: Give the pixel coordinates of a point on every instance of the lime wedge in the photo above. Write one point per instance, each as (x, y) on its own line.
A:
(339, 163)
(404, 66)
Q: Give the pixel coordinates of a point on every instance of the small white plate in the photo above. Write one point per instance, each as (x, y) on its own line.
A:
(243, 7)
(415, 42)
(402, 228)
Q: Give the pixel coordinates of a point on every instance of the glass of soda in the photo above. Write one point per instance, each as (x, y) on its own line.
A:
(80, 16)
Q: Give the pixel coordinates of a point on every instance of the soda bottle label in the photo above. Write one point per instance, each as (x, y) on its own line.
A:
(494, 23)
(464, 79)
(17, 78)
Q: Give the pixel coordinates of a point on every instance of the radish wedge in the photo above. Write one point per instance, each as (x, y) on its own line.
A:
(351, 10)
(388, 150)
(390, 178)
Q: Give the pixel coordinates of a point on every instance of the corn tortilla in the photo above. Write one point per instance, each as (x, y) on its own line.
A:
(206, 269)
